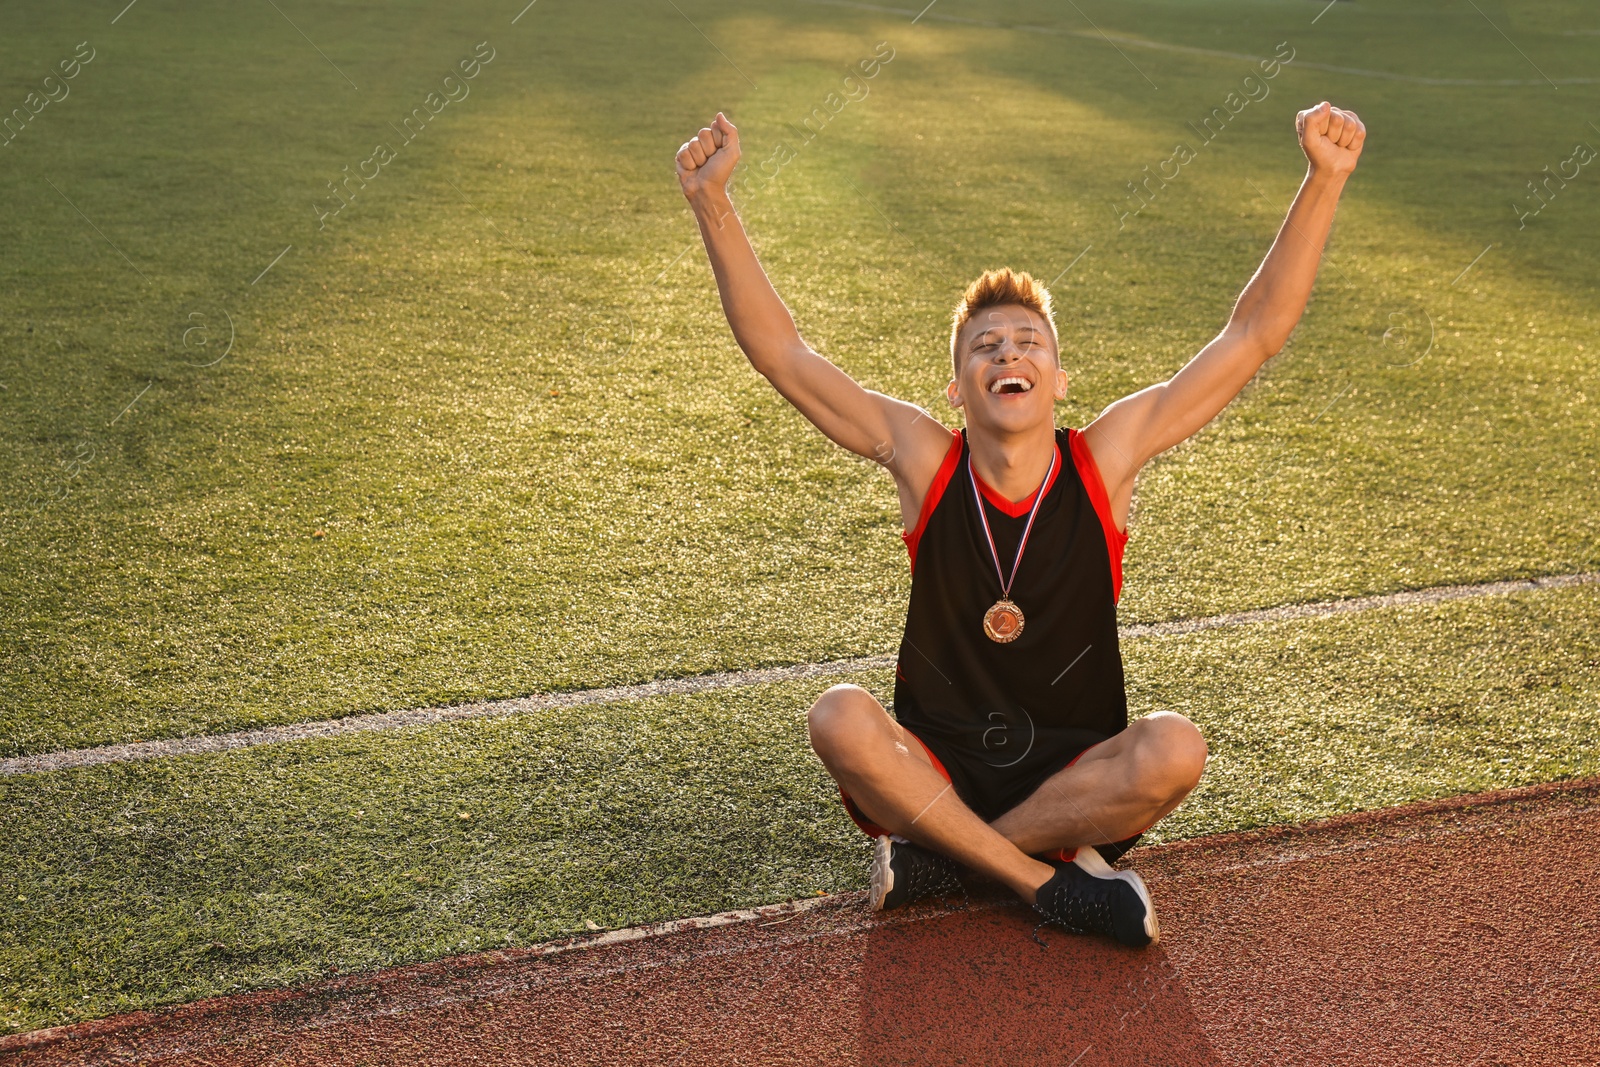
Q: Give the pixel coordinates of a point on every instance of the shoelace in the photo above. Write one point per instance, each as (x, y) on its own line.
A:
(1077, 913)
(930, 875)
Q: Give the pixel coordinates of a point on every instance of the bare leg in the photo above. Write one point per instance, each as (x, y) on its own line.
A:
(888, 775)
(1117, 788)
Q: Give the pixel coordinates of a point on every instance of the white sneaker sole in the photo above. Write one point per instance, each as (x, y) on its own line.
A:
(882, 873)
(1093, 863)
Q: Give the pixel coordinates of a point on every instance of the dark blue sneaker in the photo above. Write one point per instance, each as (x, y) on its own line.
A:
(903, 873)
(1088, 896)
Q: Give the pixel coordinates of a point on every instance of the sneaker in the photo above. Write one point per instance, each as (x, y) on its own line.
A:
(903, 873)
(1090, 897)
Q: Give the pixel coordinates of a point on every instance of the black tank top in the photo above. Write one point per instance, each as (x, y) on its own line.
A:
(1058, 686)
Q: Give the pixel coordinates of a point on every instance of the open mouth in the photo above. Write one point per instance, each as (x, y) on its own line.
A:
(1010, 384)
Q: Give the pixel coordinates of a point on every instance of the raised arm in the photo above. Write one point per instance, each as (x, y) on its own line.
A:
(898, 435)
(1134, 429)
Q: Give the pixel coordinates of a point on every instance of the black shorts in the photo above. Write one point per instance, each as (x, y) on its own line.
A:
(990, 795)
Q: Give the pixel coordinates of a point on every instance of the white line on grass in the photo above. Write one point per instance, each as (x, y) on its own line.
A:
(1115, 39)
(1409, 598)
(391, 720)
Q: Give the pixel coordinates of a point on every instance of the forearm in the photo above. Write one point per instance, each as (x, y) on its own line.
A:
(1152, 420)
(1273, 302)
(761, 323)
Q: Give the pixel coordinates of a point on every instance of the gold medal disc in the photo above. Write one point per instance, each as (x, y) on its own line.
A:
(1003, 622)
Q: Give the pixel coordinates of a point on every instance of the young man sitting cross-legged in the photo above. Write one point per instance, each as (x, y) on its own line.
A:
(1010, 751)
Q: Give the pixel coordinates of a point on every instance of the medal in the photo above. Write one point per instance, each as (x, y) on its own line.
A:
(1003, 622)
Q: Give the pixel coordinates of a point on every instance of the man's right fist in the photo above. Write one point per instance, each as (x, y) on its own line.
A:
(705, 162)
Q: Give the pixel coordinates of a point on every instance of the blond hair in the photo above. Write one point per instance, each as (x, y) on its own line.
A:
(995, 288)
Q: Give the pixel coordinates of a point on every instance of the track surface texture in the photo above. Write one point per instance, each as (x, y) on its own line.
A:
(1462, 931)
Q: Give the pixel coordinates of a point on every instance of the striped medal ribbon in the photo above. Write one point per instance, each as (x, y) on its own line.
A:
(1003, 622)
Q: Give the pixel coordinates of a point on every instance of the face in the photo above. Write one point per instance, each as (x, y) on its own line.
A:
(1010, 375)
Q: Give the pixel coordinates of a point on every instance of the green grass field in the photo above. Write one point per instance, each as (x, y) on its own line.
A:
(484, 432)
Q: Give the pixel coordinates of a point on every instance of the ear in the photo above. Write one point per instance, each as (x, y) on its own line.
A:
(1062, 381)
(952, 393)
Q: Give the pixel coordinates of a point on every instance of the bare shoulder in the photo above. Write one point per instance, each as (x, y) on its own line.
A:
(917, 446)
(1115, 439)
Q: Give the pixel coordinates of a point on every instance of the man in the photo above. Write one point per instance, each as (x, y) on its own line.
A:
(1009, 751)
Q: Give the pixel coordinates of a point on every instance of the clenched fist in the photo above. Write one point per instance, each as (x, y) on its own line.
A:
(1330, 137)
(705, 162)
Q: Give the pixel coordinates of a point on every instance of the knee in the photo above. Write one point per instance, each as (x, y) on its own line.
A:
(841, 720)
(1171, 755)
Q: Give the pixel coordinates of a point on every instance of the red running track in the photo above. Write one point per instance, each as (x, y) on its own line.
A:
(1462, 932)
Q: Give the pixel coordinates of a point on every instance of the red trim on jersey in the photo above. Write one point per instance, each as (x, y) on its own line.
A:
(1021, 507)
(1089, 472)
(947, 470)
(857, 816)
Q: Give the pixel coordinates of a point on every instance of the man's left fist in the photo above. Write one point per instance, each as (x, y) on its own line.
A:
(1331, 138)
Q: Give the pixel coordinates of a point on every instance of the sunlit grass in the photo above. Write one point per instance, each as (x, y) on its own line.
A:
(147, 883)
(486, 433)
